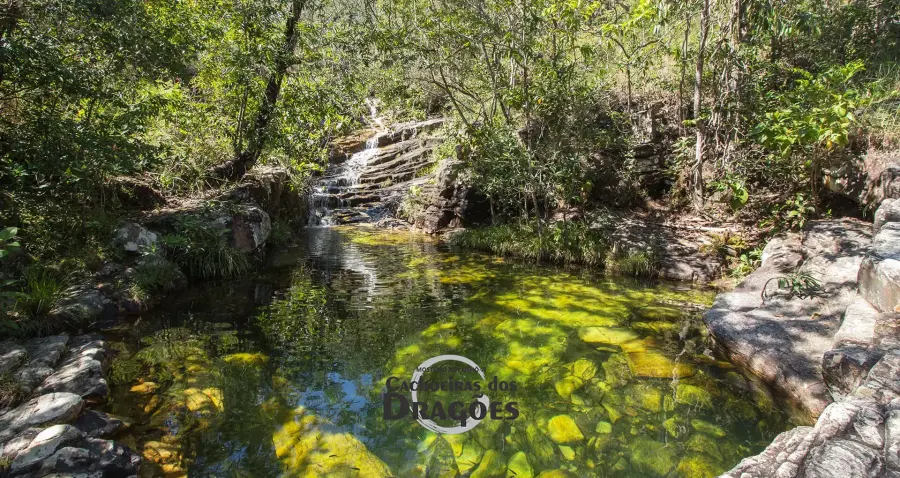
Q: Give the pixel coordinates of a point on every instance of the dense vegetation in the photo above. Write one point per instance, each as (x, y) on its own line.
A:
(762, 99)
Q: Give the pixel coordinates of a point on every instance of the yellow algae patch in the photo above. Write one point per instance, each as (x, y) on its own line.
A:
(653, 364)
(144, 388)
(254, 359)
(309, 446)
(196, 399)
(562, 429)
(607, 335)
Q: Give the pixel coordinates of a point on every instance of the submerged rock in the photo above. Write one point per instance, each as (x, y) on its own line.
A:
(653, 364)
(491, 466)
(518, 466)
(562, 429)
(652, 458)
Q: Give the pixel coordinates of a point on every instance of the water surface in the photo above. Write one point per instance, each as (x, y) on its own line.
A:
(283, 374)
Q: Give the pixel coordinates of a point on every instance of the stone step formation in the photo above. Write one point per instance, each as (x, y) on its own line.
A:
(371, 171)
(49, 427)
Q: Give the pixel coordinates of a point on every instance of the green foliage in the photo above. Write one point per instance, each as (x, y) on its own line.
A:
(8, 243)
(571, 242)
(630, 263)
(42, 288)
(203, 251)
(281, 234)
(792, 214)
(747, 263)
(724, 245)
(153, 274)
(10, 392)
(797, 284)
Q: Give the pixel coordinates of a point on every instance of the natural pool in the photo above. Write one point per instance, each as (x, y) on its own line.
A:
(283, 373)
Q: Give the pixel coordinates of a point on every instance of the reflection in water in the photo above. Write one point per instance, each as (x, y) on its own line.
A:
(283, 374)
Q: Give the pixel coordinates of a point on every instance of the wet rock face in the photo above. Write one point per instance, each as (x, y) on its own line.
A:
(53, 432)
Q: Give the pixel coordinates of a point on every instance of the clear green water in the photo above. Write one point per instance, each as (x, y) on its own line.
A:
(282, 374)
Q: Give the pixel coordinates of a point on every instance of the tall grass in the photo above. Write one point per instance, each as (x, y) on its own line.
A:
(567, 243)
(202, 251)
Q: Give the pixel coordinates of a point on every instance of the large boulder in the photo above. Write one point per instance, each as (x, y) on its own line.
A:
(45, 409)
(82, 370)
(273, 189)
(781, 337)
(246, 226)
(879, 276)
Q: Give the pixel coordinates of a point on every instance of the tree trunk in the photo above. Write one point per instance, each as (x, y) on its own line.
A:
(236, 168)
(684, 45)
(697, 169)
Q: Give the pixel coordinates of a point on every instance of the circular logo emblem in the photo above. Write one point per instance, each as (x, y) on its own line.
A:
(470, 422)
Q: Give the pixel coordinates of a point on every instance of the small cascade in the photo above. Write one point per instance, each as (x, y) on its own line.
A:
(368, 185)
(330, 194)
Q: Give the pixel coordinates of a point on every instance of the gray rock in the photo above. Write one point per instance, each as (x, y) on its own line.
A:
(81, 303)
(45, 444)
(69, 461)
(767, 463)
(18, 443)
(98, 424)
(883, 381)
(887, 331)
(133, 237)
(43, 354)
(81, 374)
(12, 355)
(879, 275)
(250, 227)
(892, 440)
(858, 326)
(889, 211)
(50, 408)
(782, 339)
(843, 459)
(114, 459)
(846, 368)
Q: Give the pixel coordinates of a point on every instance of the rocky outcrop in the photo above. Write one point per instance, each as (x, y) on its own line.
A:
(447, 202)
(273, 190)
(870, 181)
(246, 226)
(54, 431)
(383, 170)
(859, 434)
(782, 336)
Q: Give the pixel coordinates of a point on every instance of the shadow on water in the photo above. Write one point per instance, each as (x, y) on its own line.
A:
(283, 374)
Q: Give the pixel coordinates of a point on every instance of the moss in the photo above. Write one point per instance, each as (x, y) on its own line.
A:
(701, 443)
(607, 335)
(491, 466)
(652, 458)
(645, 396)
(698, 466)
(518, 466)
(708, 428)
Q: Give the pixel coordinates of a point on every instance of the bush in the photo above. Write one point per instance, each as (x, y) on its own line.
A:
(568, 243)
(153, 274)
(202, 251)
(631, 263)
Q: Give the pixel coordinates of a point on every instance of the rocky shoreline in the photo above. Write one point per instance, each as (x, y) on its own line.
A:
(834, 353)
(57, 431)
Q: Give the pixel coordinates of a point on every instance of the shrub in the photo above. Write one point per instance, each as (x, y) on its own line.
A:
(153, 274)
(631, 263)
(203, 252)
(572, 242)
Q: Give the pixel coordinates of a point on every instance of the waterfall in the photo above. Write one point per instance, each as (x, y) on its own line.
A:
(325, 195)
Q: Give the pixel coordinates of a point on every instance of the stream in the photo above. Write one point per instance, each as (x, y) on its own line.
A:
(286, 372)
